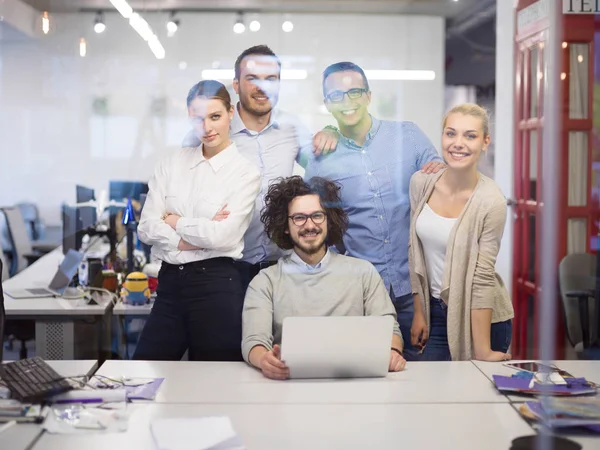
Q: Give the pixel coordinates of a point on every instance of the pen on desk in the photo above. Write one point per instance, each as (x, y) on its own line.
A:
(7, 425)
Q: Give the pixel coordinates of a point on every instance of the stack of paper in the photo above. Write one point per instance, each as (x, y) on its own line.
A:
(204, 433)
(572, 386)
(565, 412)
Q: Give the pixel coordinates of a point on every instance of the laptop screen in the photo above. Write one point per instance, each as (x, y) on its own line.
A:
(66, 271)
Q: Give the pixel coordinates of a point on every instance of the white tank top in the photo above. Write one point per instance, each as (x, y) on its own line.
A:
(434, 231)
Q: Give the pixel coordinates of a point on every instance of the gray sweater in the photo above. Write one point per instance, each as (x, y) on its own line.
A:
(338, 286)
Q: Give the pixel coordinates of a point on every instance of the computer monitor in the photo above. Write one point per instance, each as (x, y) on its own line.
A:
(71, 240)
(120, 190)
(84, 194)
(87, 214)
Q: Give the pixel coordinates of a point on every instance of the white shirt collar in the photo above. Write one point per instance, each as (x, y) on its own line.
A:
(219, 160)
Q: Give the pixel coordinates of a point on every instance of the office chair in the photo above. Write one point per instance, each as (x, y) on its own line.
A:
(4, 272)
(36, 228)
(577, 281)
(31, 216)
(22, 252)
(22, 256)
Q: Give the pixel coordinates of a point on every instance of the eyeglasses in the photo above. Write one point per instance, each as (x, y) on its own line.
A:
(300, 219)
(338, 96)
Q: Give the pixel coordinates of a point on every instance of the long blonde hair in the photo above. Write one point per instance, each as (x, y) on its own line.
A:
(471, 109)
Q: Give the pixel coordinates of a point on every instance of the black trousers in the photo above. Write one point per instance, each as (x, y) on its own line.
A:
(249, 271)
(198, 308)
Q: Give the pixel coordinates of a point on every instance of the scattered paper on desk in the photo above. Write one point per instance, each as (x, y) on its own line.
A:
(80, 419)
(146, 391)
(204, 433)
(537, 411)
(576, 386)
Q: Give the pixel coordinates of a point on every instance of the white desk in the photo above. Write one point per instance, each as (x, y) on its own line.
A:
(123, 309)
(588, 369)
(75, 367)
(213, 382)
(327, 427)
(54, 328)
(21, 436)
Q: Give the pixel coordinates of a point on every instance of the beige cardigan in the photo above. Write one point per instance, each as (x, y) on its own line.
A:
(470, 280)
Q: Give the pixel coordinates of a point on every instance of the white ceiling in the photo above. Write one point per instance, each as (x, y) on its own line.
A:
(446, 8)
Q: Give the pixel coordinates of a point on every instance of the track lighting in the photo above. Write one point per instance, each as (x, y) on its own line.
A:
(99, 25)
(239, 26)
(172, 25)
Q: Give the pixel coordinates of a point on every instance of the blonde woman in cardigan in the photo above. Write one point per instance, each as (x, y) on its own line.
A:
(462, 308)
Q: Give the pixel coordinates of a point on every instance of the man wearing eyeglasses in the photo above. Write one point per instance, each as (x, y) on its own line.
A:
(374, 161)
(268, 137)
(307, 217)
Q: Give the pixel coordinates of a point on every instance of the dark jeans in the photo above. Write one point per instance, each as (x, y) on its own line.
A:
(249, 271)
(437, 346)
(405, 310)
(198, 308)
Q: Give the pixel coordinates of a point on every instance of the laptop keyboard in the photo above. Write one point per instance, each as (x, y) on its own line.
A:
(40, 291)
(32, 380)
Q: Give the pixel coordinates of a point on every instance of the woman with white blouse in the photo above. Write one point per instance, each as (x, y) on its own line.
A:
(198, 208)
(462, 308)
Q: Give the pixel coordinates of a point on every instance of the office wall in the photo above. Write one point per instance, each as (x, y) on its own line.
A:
(66, 119)
(504, 125)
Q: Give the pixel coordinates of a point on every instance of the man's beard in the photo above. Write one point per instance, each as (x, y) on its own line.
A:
(308, 248)
(247, 105)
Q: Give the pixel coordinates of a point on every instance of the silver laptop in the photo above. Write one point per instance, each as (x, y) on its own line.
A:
(65, 273)
(337, 347)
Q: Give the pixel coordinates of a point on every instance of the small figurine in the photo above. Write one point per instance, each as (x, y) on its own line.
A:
(135, 290)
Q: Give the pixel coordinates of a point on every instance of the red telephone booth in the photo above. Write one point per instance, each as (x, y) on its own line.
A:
(577, 202)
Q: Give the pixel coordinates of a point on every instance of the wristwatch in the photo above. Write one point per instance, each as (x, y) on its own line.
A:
(397, 351)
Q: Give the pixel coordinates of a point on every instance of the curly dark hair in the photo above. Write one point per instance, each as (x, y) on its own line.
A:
(275, 213)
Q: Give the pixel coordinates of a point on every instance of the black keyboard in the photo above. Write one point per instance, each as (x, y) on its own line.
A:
(32, 380)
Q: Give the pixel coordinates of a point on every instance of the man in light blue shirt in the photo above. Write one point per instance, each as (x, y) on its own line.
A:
(374, 161)
(270, 138)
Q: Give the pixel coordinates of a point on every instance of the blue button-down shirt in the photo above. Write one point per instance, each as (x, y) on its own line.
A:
(297, 264)
(273, 150)
(375, 181)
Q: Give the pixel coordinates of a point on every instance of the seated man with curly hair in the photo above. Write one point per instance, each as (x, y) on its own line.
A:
(312, 281)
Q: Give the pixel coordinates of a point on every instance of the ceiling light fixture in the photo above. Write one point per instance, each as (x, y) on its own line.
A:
(156, 47)
(172, 25)
(99, 25)
(45, 22)
(400, 75)
(238, 26)
(123, 7)
(287, 26)
(229, 74)
(82, 47)
(254, 25)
